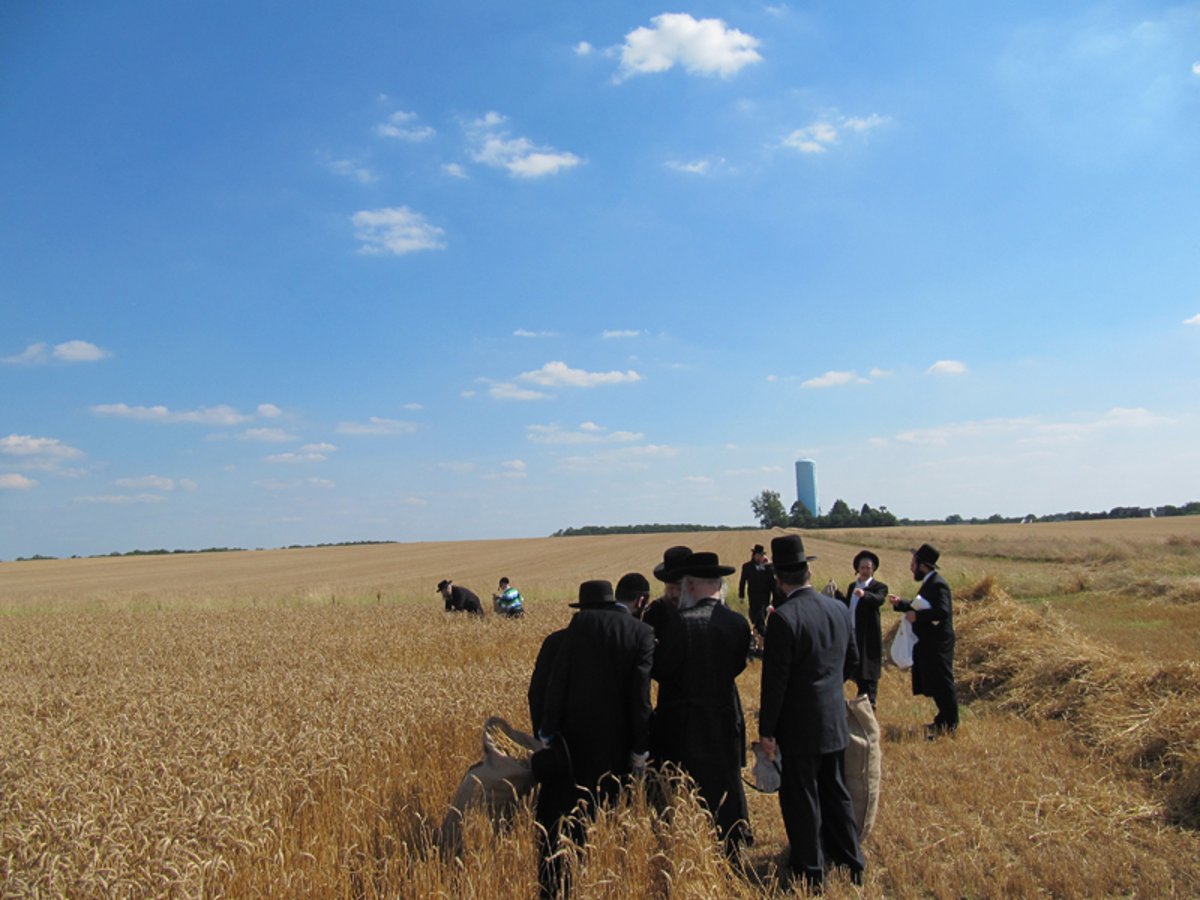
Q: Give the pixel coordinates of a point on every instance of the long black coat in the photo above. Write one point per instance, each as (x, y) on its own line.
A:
(808, 654)
(598, 696)
(463, 599)
(539, 681)
(933, 654)
(868, 633)
(759, 581)
(698, 723)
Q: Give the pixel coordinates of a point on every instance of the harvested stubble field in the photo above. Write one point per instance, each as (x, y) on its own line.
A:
(294, 723)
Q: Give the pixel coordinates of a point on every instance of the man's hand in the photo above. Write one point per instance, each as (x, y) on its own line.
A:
(911, 616)
(770, 747)
(859, 592)
(894, 599)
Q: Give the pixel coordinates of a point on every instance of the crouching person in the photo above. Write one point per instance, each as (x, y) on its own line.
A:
(595, 716)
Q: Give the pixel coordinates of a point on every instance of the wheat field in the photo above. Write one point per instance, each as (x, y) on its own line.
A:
(294, 723)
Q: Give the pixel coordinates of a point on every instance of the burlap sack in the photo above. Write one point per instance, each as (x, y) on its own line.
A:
(497, 782)
(864, 763)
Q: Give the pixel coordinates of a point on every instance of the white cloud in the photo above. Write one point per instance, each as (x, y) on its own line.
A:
(609, 335)
(559, 374)
(622, 458)
(699, 167)
(510, 469)
(454, 170)
(1196, 68)
(206, 415)
(413, 406)
(583, 48)
(396, 230)
(269, 411)
(13, 482)
(122, 499)
(700, 46)
(415, 501)
(79, 351)
(821, 135)
(880, 373)
(505, 391)
(26, 446)
(588, 433)
(1034, 430)
(403, 126)
(68, 352)
(1194, 320)
(147, 482)
(349, 169)
(834, 379)
(265, 435)
(377, 425)
(272, 484)
(307, 453)
(526, 333)
(519, 156)
(34, 353)
(947, 367)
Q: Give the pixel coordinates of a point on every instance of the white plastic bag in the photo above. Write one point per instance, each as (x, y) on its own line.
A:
(906, 639)
(902, 645)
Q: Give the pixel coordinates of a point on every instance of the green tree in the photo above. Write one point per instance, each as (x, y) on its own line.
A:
(840, 515)
(802, 516)
(769, 511)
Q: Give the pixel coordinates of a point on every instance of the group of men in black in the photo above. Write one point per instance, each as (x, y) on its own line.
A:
(589, 694)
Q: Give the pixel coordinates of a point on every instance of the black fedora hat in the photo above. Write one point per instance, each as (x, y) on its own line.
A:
(788, 553)
(702, 565)
(672, 557)
(632, 585)
(866, 554)
(593, 594)
(444, 583)
(927, 554)
(758, 548)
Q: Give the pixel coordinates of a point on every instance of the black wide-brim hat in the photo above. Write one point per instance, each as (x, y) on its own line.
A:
(441, 584)
(703, 565)
(672, 557)
(787, 553)
(866, 554)
(593, 594)
(927, 554)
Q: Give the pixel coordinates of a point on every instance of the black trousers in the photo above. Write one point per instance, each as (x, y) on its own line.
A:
(818, 816)
(945, 695)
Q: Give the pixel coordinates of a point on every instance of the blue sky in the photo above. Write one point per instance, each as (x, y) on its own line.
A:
(277, 273)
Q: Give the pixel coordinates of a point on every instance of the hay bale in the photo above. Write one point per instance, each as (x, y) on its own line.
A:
(1144, 715)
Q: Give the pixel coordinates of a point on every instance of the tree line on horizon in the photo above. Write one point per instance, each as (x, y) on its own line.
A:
(770, 512)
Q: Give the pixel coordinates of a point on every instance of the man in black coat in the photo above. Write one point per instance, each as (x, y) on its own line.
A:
(758, 578)
(459, 599)
(699, 715)
(933, 626)
(597, 707)
(864, 597)
(808, 656)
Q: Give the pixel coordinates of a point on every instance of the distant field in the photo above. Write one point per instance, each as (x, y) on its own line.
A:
(295, 722)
